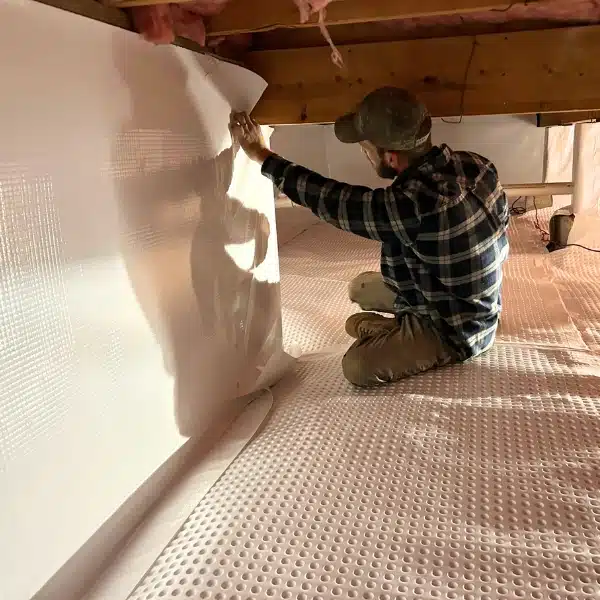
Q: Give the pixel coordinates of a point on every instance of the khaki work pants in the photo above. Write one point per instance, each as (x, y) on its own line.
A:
(392, 350)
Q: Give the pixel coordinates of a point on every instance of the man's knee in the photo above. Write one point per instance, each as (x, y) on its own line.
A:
(369, 291)
(356, 288)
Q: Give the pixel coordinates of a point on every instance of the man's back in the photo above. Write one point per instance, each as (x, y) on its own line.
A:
(448, 264)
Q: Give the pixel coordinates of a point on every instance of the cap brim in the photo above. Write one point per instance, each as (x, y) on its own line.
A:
(346, 130)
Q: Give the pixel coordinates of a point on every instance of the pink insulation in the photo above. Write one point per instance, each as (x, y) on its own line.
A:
(160, 23)
(518, 16)
(155, 23)
(307, 7)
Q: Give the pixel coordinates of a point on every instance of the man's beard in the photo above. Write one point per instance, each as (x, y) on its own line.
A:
(386, 172)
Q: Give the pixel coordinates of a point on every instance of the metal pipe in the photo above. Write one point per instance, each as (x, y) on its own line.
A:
(580, 177)
(539, 189)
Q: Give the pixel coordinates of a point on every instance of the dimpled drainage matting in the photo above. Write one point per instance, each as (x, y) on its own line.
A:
(475, 482)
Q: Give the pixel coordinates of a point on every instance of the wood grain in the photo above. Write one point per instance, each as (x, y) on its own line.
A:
(516, 73)
(242, 16)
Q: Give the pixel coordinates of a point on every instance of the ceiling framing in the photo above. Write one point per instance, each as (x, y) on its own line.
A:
(517, 73)
(463, 57)
(243, 16)
(111, 15)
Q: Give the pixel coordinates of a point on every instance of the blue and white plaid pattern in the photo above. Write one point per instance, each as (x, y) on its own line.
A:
(442, 224)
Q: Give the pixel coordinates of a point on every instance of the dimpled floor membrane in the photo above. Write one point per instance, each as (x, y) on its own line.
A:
(475, 482)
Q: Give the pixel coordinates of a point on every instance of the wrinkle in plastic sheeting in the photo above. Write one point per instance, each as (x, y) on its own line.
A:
(215, 278)
(126, 218)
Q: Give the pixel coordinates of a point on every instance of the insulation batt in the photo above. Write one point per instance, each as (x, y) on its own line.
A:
(307, 7)
(160, 23)
(536, 15)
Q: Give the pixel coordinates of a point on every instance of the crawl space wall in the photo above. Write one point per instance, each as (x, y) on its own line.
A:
(138, 273)
(514, 143)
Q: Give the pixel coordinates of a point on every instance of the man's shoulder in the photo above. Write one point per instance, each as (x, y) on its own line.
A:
(467, 164)
(448, 177)
(443, 164)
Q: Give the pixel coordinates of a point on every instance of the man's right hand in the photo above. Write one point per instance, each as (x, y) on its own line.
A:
(247, 134)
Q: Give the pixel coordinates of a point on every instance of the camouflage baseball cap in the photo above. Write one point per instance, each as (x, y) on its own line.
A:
(390, 118)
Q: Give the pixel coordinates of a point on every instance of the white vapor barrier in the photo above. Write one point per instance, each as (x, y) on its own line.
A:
(577, 158)
(479, 481)
(139, 278)
(559, 162)
(124, 570)
(514, 143)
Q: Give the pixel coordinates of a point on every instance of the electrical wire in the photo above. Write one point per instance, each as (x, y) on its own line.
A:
(582, 247)
(507, 8)
(470, 61)
(517, 211)
(536, 224)
(464, 85)
(546, 235)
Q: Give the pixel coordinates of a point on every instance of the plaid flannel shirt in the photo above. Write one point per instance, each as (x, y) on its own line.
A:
(442, 225)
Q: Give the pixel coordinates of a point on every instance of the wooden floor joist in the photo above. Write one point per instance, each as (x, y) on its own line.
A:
(242, 16)
(516, 73)
(568, 118)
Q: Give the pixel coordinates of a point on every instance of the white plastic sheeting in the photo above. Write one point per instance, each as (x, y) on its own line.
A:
(478, 481)
(515, 145)
(574, 155)
(125, 569)
(138, 274)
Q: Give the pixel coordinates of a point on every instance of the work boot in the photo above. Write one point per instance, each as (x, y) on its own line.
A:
(365, 324)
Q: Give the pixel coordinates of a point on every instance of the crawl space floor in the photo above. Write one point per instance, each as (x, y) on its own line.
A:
(475, 482)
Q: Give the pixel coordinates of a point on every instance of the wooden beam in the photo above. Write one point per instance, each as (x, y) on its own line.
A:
(515, 73)
(243, 16)
(568, 118)
(93, 10)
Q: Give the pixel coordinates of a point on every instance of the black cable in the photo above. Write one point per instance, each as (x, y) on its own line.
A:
(582, 247)
(517, 211)
(545, 234)
(507, 8)
(552, 246)
(464, 86)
